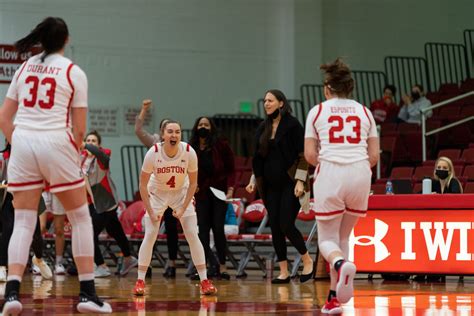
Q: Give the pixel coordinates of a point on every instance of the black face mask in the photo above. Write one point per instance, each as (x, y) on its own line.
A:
(203, 132)
(274, 115)
(415, 95)
(442, 174)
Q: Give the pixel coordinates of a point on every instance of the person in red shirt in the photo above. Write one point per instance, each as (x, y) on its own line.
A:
(385, 110)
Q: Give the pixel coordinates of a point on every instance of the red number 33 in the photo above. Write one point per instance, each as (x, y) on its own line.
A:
(49, 83)
(339, 127)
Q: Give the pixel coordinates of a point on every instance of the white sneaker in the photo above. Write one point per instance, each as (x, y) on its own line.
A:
(12, 305)
(43, 268)
(35, 270)
(3, 274)
(89, 305)
(59, 269)
(101, 272)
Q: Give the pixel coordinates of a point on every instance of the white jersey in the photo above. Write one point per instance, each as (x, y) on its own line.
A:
(169, 174)
(342, 127)
(46, 91)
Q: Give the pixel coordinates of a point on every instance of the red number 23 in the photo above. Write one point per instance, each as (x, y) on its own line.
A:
(339, 127)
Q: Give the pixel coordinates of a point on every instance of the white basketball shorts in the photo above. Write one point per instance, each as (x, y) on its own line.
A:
(341, 188)
(161, 200)
(42, 159)
(53, 205)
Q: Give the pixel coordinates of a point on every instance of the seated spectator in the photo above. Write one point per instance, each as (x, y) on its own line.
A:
(385, 110)
(444, 181)
(413, 104)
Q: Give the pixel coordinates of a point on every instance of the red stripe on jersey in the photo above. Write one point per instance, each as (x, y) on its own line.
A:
(329, 213)
(22, 184)
(187, 148)
(156, 148)
(316, 118)
(68, 75)
(367, 114)
(23, 67)
(66, 184)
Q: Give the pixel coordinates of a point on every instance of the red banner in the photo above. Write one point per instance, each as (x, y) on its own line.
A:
(414, 241)
(10, 60)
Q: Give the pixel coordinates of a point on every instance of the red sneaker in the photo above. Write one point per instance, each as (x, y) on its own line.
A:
(345, 282)
(332, 307)
(139, 288)
(207, 288)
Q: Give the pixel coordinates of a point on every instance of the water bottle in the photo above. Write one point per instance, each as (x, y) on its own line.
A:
(389, 188)
(426, 186)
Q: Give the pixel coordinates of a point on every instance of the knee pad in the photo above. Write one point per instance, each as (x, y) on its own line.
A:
(20, 241)
(82, 232)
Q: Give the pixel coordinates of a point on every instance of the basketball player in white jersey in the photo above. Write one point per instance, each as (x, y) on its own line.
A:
(48, 95)
(341, 141)
(169, 179)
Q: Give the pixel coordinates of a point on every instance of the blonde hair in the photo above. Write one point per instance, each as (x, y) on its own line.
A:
(451, 173)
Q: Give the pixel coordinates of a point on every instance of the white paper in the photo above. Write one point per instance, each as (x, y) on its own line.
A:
(221, 195)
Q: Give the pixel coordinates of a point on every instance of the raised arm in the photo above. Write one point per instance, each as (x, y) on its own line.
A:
(145, 138)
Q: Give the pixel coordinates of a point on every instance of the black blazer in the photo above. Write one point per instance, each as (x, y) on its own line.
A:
(453, 187)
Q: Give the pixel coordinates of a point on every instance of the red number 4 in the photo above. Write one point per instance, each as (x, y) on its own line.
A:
(171, 182)
(50, 83)
(339, 126)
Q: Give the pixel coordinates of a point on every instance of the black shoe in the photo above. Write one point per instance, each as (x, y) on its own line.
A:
(419, 278)
(170, 272)
(195, 277)
(12, 305)
(149, 273)
(225, 276)
(306, 277)
(281, 281)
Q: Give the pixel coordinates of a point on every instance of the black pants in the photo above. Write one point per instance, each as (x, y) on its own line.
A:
(283, 207)
(110, 222)
(171, 226)
(211, 215)
(8, 219)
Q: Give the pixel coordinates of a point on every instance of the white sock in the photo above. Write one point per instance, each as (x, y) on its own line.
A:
(141, 275)
(86, 276)
(190, 229)
(148, 242)
(59, 259)
(202, 273)
(82, 231)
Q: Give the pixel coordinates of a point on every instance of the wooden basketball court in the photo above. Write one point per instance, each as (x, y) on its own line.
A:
(250, 296)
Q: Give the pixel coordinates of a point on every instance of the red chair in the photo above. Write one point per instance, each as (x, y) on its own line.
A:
(469, 188)
(417, 188)
(429, 163)
(467, 85)
(388, 128)
(240, 162)
(131, 218)
(408, 127)
(467, 110)
(422, 172)
(458, 169)
(401, 172)
(469, 173)
(453, 154)
(448, 88)
(468, 155)
(388, 146)
(244, 178)
(378, 188)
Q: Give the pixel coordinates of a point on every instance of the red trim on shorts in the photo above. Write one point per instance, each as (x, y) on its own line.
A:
(329, 213)
(19, 74)
(156, 148)
(68, 75)
(71, 140)
(66, 184)
(356, 211)
(22, 184)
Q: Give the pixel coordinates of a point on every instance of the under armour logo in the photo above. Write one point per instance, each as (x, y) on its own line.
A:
(381, 251)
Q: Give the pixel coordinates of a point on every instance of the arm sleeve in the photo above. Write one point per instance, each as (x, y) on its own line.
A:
(12, 92)
(310, 131)
(193, 161)
(145, 138)
(148, 161)
(79, 79)
(101, 156)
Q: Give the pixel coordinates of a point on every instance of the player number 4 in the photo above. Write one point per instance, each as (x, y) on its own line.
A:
(171, 182)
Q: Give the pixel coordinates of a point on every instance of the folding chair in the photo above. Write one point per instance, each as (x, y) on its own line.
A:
(254, 213)
(311, 216)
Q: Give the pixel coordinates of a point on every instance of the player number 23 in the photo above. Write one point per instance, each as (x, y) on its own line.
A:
(338, 127)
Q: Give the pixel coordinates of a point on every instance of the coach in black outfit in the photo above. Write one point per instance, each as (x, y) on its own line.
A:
(281, 173)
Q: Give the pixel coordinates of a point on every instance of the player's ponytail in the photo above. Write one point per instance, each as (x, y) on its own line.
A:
(51, 33)
(338, 78)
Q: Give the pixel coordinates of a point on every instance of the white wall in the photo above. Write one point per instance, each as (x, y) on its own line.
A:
(192, 57)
